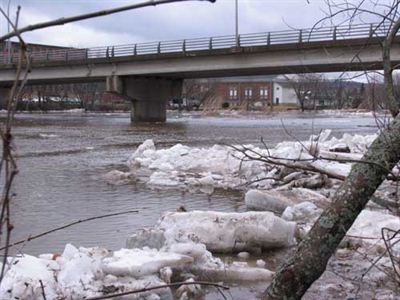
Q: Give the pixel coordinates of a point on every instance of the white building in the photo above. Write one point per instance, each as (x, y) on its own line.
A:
(283, 93)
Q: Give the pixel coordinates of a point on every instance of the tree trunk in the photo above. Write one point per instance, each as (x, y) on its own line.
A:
(309, 261)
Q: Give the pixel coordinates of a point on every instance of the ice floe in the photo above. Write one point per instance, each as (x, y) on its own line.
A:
(223, 166)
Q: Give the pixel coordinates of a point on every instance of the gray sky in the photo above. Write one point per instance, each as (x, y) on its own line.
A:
(170, 21)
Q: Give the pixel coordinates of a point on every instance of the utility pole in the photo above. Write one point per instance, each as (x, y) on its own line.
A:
(237, 23)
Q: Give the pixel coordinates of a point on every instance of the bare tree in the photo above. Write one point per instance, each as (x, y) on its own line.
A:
(203, 91)
(308, 88)
(309, 261)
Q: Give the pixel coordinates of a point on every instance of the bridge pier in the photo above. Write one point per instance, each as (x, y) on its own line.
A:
(149, 95)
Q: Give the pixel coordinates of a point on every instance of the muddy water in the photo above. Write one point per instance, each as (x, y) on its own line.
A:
(62, 158)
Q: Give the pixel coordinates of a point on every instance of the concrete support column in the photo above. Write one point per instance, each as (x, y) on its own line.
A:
(149, 96)
(4, 94)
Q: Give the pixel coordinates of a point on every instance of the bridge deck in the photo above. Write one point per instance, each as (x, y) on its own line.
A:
(265, 41)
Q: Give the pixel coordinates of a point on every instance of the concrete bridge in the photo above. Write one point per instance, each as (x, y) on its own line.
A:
(148, 74)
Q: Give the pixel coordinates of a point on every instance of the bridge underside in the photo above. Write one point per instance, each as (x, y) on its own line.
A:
(150, 80)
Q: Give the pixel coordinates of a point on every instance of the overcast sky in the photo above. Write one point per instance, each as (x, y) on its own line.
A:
(164, 22)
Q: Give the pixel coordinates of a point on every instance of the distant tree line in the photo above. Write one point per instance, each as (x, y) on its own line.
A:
(87, 96)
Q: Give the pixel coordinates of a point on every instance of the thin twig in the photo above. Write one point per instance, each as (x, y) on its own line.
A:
(30, 238)
(388, 248)
(205, 283)
(42, 288)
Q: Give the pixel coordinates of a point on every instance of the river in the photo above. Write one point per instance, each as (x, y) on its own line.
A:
(62, 158)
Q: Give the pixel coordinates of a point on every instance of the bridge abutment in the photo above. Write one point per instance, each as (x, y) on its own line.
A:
(149, 95)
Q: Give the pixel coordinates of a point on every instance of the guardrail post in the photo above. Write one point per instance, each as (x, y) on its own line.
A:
(135, 50)
(184, 46)
(371, 30)
(269, 38)
(87, 53)
(66, 55)
(112, 51)
(334, 33)
(300, 36)
(159, 48)
(108, 52)
(210, 44)
(47, 55)
(238, 41)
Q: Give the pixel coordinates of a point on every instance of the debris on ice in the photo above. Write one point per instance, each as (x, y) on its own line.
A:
(223, 166)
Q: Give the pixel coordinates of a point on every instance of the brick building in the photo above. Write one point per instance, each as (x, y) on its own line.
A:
(245, 93)
(250, 93)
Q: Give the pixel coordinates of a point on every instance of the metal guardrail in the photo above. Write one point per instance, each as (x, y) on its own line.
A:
(343, 32)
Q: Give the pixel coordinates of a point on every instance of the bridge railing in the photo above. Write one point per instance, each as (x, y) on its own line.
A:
(209, 43)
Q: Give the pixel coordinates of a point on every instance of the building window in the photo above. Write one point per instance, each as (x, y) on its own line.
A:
(248, 93)
(263, 93)
(233, 92)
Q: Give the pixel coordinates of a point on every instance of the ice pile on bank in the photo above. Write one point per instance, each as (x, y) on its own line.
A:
(179, 246)
(82, 273)
(225, 167)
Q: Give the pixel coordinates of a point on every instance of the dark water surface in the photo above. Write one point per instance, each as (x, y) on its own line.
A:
(62, 158)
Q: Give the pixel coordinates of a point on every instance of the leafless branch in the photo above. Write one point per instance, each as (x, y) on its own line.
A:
(63, 21)
(34, 237)
(175, 284)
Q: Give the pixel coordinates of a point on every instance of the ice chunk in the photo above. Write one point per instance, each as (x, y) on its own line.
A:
(260, 263)
(191, 249)
(370, 223)
(77, 275)
(228, 232)
(265, 201)
(207, 180)
(301, 212)
(233, 273)
(298, 195)
(47, 135)
(70, 251)
(22, 280)
(147, 145)
(117, 177)
(163, 179)
(139, 263)
(146, 237)
(243, 255)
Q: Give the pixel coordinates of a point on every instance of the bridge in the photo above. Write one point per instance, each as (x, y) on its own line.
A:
(148, 74)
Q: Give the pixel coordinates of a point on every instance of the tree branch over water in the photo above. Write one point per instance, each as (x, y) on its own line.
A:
(63, 21)
(34, 237)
